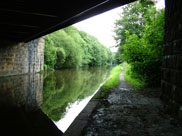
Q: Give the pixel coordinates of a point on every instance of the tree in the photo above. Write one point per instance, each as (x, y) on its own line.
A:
(70, 47)
(132, 19)
(49, 54)
(74, 34)
(65, 45)
(60, 58)
(97, 52)
(143, 49)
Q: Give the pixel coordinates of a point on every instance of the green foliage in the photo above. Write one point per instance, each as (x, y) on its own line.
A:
(133, 18)
(49, 54)
(60, 39)
(97, 53)
(70, 47)
(143, 50)
(117, 59)
(128, 75)
(60, 58)
(112, 81)
(62, 88)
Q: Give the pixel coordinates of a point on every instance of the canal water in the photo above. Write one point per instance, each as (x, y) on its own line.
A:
(27, 100)
(67, 92)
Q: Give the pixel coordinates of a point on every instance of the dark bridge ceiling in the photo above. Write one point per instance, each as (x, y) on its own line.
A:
(24, 20)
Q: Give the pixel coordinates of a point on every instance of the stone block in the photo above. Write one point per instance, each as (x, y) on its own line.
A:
(179, 79)
(167, 50)
(166, 74)
(173, 76)
(178, 95)
(177, 46)
(179, 62)
(166, 89)
(21, 58)
(180, 113)
(172, 60)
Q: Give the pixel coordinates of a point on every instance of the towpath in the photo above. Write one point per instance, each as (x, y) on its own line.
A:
(126, 112)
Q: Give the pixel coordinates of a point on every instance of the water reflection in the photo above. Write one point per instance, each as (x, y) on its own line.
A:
(66, 88)
(21, 91)
(23, 98)
(20, 102)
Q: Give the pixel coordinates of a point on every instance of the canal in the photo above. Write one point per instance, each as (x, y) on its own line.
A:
(66, 92)
(31, 101)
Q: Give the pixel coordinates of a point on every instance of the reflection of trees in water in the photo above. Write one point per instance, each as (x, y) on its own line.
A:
(67, 86)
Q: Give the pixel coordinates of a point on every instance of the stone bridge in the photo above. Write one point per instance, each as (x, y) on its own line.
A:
(24, 22)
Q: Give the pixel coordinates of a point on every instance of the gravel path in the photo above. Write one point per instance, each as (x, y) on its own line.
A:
(126, 112)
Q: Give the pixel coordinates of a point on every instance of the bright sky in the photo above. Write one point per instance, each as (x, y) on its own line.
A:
(102, 26)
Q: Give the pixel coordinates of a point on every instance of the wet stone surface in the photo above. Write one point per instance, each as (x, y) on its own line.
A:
(131, 113)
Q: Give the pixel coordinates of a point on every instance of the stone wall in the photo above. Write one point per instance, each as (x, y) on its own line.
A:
(172, 59)
(21, 58)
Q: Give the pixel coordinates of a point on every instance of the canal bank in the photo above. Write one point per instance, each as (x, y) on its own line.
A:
(82, 119)
(124, 112)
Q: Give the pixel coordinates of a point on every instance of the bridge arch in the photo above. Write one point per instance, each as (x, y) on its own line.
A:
(24, 22)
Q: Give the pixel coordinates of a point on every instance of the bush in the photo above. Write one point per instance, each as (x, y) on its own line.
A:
(139, 34)
(144, 53)
(129, 76)
(60, 58)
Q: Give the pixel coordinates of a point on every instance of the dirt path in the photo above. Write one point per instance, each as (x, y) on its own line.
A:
(131, 113)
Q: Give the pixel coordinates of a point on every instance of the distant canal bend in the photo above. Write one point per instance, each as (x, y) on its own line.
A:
(66, 92)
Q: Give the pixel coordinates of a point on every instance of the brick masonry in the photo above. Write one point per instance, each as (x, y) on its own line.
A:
(21, 58)
(172, 58)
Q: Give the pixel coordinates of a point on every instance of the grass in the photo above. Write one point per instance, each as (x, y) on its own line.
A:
(128, 76)
(114, 79)
(111, 82)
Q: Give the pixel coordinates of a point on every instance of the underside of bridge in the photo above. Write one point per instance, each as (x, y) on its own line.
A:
(23, 21)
